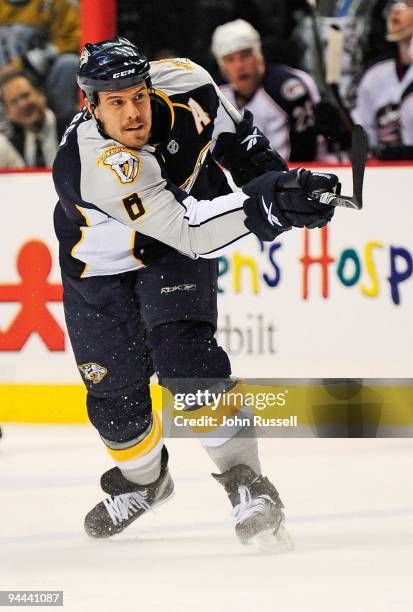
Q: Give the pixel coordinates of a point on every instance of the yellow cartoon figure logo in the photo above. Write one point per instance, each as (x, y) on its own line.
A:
(124, 163)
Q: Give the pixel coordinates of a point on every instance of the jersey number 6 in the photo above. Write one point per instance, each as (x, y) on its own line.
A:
(134, 206)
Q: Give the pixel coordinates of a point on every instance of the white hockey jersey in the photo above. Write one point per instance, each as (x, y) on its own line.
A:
(283, 109)
(119, 207)
(406, 116)
(378, 101)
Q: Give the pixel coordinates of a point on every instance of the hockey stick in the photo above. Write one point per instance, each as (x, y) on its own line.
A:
(333, 74)
(359, 150)
(328, 73)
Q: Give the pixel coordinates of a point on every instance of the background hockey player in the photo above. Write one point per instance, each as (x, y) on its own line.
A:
(127, 231)
(383, 84)
(281, 98)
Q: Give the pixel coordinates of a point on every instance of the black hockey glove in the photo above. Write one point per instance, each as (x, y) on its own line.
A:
(247, 153)
(281, 200)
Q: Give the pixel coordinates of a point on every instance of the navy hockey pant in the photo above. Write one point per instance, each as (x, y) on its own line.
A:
(124, 327)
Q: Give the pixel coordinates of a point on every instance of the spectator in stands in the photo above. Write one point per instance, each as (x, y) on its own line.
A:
(9, 157)
(281, 98)
(35, 130)
(43, 37)
(383, 83)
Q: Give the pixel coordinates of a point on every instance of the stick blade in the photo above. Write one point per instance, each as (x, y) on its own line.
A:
(359, 152)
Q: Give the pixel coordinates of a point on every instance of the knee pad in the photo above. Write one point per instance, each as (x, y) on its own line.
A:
(186, 350)
(123, 417)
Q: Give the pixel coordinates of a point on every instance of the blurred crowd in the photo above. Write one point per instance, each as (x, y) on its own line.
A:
(306, 70)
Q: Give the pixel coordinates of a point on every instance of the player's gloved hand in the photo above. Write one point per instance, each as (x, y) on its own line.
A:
(246, 153)
(281, 200)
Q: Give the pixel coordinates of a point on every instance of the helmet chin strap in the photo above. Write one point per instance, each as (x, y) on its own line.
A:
(100, 128)
(98, 122)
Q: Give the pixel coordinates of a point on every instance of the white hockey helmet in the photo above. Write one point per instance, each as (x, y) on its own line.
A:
(234, 36)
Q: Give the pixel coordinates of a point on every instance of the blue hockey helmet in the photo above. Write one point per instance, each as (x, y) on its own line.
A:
(109, 65)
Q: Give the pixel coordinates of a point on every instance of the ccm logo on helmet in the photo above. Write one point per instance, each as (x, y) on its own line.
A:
(123, 73)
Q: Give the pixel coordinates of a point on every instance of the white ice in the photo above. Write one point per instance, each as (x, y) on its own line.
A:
(349, 506)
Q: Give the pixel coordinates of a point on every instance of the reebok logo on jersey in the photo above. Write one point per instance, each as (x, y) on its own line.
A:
(251, 139)
(183, 287)
(272, 219)
(123, 162)
(93, 372)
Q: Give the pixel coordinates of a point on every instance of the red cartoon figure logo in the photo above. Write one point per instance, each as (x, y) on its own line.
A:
(34, 291)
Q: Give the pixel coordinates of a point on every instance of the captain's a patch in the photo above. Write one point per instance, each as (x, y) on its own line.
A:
(123, 162)
(93, 372)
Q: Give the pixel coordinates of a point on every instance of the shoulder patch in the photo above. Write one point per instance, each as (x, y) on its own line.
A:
(122, 161)
(292, 89)
(179, 62)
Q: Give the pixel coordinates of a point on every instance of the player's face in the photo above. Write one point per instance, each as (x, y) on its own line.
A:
(126, 115)
(400, 18)
(24, 104)
(243, 70)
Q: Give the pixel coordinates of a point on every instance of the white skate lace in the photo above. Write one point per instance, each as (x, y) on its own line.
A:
(121, 507)
(248, 506)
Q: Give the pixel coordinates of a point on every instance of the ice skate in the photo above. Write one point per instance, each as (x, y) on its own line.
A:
(127, 501)
(257, 509)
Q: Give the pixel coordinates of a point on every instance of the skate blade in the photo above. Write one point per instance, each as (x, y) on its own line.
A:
(268, 542)
(163, 501)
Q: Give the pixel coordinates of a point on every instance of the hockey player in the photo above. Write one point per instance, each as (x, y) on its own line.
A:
(383, 83)
(281, 98)
(406, 118)
(136, 253)
(406, 111)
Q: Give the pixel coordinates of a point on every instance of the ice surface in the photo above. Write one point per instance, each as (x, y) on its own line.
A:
(349, 506)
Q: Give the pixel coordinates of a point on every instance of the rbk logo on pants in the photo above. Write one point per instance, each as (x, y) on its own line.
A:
(183, 287)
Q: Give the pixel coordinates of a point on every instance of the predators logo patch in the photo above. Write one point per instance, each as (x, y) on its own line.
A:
(93, 372)
(123, 162)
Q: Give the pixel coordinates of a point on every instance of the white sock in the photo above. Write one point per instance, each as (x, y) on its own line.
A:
(238, 449)
(146, 474)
